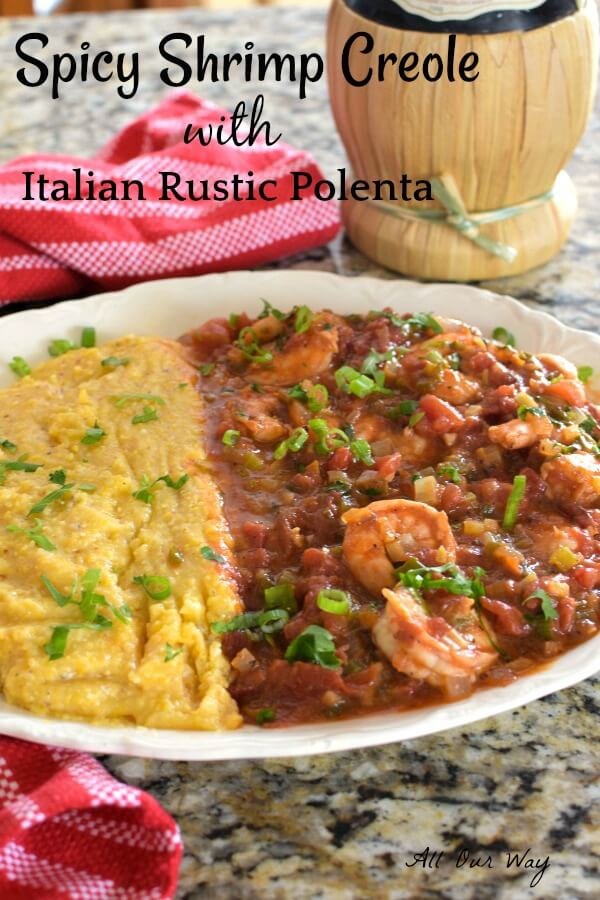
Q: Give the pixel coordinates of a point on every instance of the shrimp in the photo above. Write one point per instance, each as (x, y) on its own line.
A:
(566, 387)
(573, 477)
(303, 356)
(430, 649)
(456, 388)
(391, 531)
(254, 416)
(519, 433)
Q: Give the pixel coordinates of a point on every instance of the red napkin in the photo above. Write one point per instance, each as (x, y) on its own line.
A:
(69, 830)
(68, 247)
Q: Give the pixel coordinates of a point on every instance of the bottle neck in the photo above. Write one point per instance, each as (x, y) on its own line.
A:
(390, 13)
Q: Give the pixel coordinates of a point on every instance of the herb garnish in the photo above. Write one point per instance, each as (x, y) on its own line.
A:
(113, 362)
(584, 373)
(314, 645)
(59, 346)
(19, 366)
(145, 493)
(248, 342)
(353, 382)
(334, 601)
(171, 652)
(503, 336)
(514, 501)
(8, 446)
(281, 596)
(148, 415)
(121, 400)
(158, 587)
(316, 396)
(206, 368)
(265, 715)
(447, 578)
(209, 553)
(41, 505)
(267, 621)
(93, 435)
(88, 337)
(292, 444)
(35, 534)
(303, 320)
(230, 437)
(17, 465)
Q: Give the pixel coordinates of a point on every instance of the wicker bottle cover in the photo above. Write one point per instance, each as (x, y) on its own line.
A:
(493, 148)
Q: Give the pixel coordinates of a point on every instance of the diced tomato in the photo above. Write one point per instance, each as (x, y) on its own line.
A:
(340, 459)
(442, 416)
(387, 466)
(587, 576)
(507, 619)
(255, 533)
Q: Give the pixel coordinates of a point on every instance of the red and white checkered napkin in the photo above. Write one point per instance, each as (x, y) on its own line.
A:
(63, 248)
(70, 831)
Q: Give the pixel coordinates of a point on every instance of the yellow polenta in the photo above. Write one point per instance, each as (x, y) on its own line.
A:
(162, 667)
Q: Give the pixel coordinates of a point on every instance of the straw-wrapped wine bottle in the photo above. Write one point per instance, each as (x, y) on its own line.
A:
(492, 146)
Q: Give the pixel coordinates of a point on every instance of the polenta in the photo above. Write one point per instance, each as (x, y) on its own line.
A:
(115, 558)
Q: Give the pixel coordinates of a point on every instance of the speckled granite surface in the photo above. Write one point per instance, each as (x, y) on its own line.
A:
(345, 826)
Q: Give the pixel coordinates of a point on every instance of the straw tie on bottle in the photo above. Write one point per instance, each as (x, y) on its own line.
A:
(445, 190)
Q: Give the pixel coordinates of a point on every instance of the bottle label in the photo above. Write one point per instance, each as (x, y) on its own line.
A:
(446, 10)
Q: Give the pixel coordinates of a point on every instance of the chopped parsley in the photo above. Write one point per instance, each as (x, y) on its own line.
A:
(314, 645)
(171, 652)
(315, 396)
(8, 446)
(93, 435)
(447, 578)
(58, 494)
(523, 411)
(248, 342)
(121, 400)
(146, 490)
(265, 715)
(206, 369)
(148, 415)
(17, 465)
(449, 471)
(58, 477)
(267, 621)
(209, 553)
(35, 534)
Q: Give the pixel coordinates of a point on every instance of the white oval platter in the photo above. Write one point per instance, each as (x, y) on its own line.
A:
(169, 308)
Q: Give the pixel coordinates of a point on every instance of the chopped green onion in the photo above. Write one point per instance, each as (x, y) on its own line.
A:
(404, 408)
(60, 599)
(17, 465)
(148, 415)
(315, 396)
(523, 411)
(58, 640)
(584, 373)
(334, 601)
(93, 435)
(303, 320)
(171, 652)
(353, 382)
(447, 578)
(281, 596)
(314, 645)
(121, 400)
(252, 349)
(503, 336)
(268, 621)
(19, 366)
(206, 369)
(292, 444)
(231, 437)
(113, 362)
(88, 337)
(158, 587)
(59, 346)
(234, 319)
(35, 534)
(265, 715)
(210, 554)
(8, 446)
(514, 501)
(361, 451)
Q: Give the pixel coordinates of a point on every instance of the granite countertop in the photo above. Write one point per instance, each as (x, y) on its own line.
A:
(344, 826)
